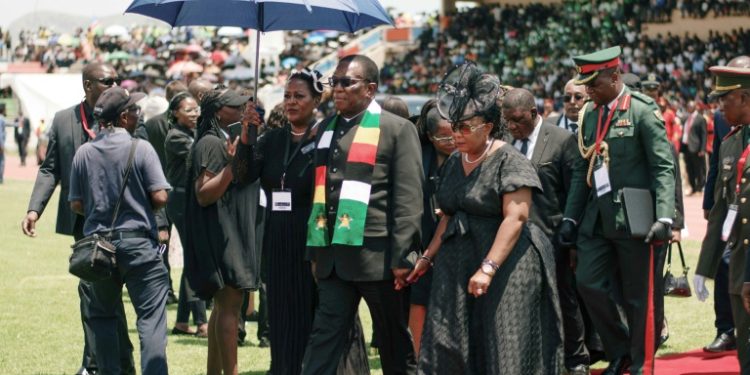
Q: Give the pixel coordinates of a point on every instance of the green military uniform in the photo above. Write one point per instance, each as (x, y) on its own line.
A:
(638, 155)
(730, 153)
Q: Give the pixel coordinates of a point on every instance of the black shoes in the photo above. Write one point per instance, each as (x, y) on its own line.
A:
(579, 370)
(618, 366)
(722, 343)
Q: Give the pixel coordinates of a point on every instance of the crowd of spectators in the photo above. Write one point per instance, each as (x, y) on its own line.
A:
(530, 46)
(149, 53)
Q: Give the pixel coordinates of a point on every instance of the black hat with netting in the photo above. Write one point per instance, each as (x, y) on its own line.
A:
(466, 91)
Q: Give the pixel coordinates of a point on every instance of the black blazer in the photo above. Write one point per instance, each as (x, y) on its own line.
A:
(555, 156)
(65, 136)
(394, 213)
(696, 140)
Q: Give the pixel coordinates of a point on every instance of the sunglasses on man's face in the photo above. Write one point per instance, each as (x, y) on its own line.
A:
(577, 97)
(109, 81)
(344, 81)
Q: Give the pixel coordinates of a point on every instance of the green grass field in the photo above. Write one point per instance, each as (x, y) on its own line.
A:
(40, 328)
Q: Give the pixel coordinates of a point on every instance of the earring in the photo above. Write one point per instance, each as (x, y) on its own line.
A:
(218, 118)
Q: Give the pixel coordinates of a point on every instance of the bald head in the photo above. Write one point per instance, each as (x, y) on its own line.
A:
(173, 88)
(199, 87)
(97, 77)
(519, 99)
(90, 71)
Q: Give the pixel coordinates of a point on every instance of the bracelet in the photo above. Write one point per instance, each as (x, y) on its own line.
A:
(428, 259)
(490, 263)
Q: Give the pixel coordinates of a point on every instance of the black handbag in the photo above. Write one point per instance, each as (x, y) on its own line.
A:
(676, 286)
(93, 257)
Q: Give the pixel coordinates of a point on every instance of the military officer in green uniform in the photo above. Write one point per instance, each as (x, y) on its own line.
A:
(728, 219)
(623, 140)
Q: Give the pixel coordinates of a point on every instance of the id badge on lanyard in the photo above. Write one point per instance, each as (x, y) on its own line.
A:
(601, 178)
(281, 200)
(726, 229)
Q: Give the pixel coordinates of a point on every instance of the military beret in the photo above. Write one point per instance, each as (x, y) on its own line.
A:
(729, 78)
(590, 65)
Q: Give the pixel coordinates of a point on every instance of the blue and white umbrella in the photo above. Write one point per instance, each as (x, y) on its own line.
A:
(266, 15)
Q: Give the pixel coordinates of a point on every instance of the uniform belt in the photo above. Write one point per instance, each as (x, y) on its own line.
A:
(127, 234)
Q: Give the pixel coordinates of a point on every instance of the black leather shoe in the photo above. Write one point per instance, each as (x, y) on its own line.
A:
(579, 370)
(618, 366)
(722, 343)
(264, 342)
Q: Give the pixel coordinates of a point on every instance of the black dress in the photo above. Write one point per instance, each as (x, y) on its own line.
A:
(291, 288)
(514, 328)
(221, 249)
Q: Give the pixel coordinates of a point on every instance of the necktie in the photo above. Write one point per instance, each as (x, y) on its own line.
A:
(524, 146)
(573, 127)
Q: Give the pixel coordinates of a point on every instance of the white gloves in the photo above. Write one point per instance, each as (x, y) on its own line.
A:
(699, 283)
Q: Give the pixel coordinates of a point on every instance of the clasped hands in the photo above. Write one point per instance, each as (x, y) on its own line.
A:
(478, 284)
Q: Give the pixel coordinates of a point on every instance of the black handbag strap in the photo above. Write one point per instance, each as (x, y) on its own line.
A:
(124, 183)
(682, 256)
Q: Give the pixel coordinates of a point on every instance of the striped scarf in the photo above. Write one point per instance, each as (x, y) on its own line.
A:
(349, 228)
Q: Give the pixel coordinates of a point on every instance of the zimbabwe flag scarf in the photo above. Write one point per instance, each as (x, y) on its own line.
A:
(349, 228)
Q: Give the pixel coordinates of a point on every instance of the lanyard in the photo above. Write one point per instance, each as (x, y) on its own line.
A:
(287, 158)
(601, 133)
(741, 167)
(85, 123)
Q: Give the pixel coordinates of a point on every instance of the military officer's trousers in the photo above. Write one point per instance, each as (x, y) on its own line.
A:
(742, 324)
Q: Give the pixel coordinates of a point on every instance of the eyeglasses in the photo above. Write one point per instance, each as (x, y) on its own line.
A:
(135, 109)
(578, 97)
(109, 81)
(445, 140)
(344, 81)
(466, 129)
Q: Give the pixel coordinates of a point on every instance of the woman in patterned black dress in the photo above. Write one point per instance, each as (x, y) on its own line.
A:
(493, 304)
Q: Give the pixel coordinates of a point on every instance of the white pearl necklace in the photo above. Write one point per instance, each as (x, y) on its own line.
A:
(486, 150)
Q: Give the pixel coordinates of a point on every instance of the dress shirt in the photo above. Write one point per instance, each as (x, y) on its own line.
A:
(517, 143)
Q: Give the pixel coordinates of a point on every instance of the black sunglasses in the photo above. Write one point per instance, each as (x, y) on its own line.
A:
(567, 98)
(109, 81)
(345, 81)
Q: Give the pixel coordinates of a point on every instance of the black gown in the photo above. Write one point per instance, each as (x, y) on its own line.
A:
(515, 327)
(291, 289)
(221, 249)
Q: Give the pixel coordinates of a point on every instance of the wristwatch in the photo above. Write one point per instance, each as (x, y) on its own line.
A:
(489, 267)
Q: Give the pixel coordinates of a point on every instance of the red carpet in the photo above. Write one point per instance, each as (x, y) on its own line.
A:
(696, 362)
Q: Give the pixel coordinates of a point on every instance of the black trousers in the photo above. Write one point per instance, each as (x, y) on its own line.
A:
(334, 316)
(86, 295)
(574, 330)
(722, 306)
(695, 167)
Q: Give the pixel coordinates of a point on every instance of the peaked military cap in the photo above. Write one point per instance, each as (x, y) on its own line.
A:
(591, 64)
(651, 81)
(729, 78)
(632, 81)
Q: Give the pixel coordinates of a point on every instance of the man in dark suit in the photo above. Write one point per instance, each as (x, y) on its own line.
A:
(386, 218)
(694, 147)
(553, 152)
(21, 133)
(70, 129)
(573, 100)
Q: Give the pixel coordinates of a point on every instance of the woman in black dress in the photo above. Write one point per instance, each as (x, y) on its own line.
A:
(437, 145)
(282, 160)
(183, 117)
(222, 258)
(493, 304)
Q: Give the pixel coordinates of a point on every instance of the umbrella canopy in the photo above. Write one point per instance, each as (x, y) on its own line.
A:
(266, 15)
(184, 67)
(118, 55)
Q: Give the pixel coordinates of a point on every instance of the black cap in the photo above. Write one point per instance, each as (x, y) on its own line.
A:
(113, 101)
(232, 98)
(651, 81)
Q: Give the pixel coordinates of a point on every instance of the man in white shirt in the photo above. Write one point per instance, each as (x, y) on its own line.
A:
(573, 100)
